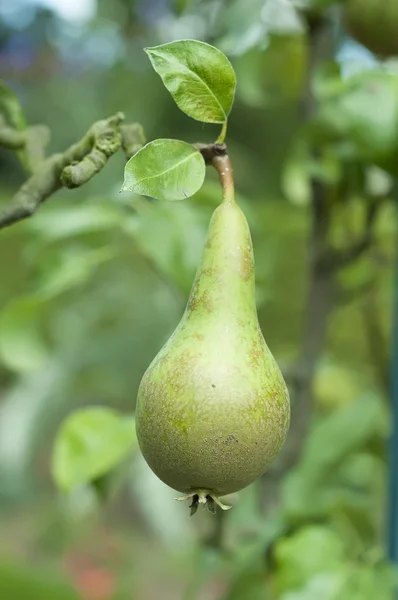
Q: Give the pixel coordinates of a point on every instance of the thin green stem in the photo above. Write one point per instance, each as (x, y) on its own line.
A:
(223, 133)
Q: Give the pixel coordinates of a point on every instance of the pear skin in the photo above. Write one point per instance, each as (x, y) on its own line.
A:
(213, 408)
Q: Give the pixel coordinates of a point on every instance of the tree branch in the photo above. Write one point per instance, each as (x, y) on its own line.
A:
(11, 138)
(30, 143)
(72, 168)
(86, 158)
(133, 138)
(37, 138)
(333, 259)
(318, 305)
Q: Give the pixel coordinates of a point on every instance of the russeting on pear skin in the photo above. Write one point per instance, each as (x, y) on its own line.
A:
(213, 408)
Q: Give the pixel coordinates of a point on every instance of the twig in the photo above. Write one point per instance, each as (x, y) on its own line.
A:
(133, 138)
(211, 151)
(86, 158)
(11, 139)
(37, 137)
(72, 168)
(318, 304)
(333, 260)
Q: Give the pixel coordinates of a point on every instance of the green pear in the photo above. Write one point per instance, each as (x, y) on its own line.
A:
(213, 409)
(374, 23)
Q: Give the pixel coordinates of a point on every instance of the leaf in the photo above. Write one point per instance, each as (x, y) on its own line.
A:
(327, 80)
(21, 346)
(327, 585)
(350, 115)
(90, 442)
(167, 518)
(378, 182)
(26, 409)
(199, 77)
(311, 488)
(69, 221)
(296, 183)
(19, 582)
(247, 558)
(10, 107)
(180, 6)
(314, 4)
(172, 236)
(165, 170)
(312, 549)
(282, 18)
(343, 432)
(242, 30)
(71, 268)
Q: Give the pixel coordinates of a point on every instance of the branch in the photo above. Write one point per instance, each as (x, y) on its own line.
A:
(211, 151)
(72, 168)
(29, 143)
(37, 137)
(133, 138)
(333, 259)
(86, 158)
(11, 138)
(319, 302)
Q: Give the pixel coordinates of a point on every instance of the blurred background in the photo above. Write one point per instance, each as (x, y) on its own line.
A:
(95, 282)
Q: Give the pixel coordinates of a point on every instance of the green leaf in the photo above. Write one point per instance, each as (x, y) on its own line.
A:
(312, 549)
(70, 221)
(172, 236)
(378, 182)
(241, 29)
(342, 432)
(10, 107)
(156, 502)
(327, 80)
(180, 6)
(327, 585)
(27, 407)
(282, 18)
(19, 582)
(166, 170)
(315, 5)
(247, 559)
(364, 112)
(313, 488)
(199, 77)
(71, 268)
(296, 184)
(90, 442)
(21, 345)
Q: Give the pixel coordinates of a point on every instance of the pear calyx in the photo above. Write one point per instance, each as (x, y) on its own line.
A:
(206, 498)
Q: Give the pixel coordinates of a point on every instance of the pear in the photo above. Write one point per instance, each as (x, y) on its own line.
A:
(213, 409)
(374, 23)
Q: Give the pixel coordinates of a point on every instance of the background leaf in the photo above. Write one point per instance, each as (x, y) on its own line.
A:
(22, 347)
(20, 583)
(11, 107)
(349, 114)
(71, 221)
(165, 170)
(90, 442)
(198, 76)
(313, 549)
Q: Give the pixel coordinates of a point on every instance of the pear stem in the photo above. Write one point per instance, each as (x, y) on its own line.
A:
(223, 166)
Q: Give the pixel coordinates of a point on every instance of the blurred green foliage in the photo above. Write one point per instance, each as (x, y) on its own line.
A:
(95, 282)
